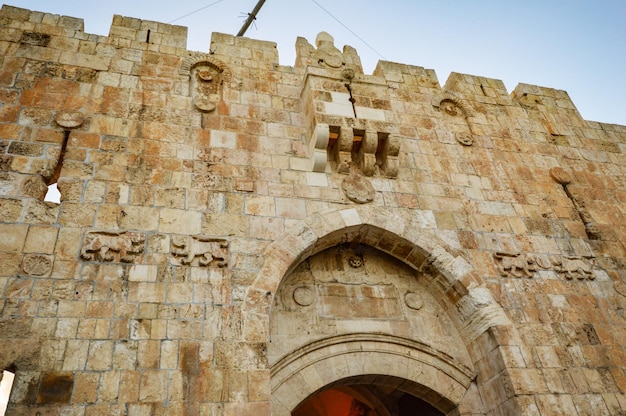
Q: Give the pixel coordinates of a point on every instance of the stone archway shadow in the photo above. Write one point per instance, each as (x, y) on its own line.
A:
(408, 240)
(373, 359)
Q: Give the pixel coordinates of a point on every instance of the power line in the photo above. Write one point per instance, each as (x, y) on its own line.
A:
(251, 18)
(196, 11)
(348, 29)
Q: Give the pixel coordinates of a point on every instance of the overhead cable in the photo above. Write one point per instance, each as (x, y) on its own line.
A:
(348, 29)
(196, 11)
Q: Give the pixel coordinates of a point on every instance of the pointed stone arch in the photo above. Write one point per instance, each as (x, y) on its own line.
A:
(440, 379)
(374, 359)
(407, 239)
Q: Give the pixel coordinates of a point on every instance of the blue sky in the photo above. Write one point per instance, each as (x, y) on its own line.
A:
(574, 45)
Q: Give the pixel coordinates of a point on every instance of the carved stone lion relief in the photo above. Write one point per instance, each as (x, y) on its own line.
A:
(199, 250)
(112, 246)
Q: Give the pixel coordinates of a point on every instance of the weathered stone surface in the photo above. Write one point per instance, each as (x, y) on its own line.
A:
(235, 236)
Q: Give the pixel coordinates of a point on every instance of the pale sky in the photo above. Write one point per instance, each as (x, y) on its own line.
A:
(573, 45)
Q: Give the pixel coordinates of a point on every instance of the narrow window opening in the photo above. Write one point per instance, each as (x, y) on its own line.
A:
(53, 194)
(483, 89)
(333, 144)
(148, 37)
(381, 151)
(6, 383)
(357, 142)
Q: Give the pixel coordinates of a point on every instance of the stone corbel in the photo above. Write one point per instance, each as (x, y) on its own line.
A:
(368, 153)
(344, 155)
(319, 144)
(390, 156)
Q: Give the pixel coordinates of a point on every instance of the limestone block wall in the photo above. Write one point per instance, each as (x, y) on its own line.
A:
(197, 186)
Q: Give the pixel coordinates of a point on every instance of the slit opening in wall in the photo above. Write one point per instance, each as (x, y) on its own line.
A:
(53, 194)
(357, 142)
(381, 150)
(333, 144)
(6, 383)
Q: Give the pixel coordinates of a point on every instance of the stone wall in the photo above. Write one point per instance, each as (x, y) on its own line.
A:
(235, 236)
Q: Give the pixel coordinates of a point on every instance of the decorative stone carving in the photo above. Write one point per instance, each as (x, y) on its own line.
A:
(559, 175)
(451, 108)
(207, 78)
(580, 268)
(69, 119)
(303, 295)
(358, 189)
(319, 143)
(327, 53)
(355, 261)
(207, 87)
(413, 300)
(515, 264)
(457, 114)
(37, 264)
(105, 246)
(465, 139)
(199, 250)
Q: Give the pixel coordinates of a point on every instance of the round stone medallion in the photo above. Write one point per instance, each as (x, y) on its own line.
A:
(413, 300)
(36, 265)
(465, 139)
(303, 295)
(358, 189)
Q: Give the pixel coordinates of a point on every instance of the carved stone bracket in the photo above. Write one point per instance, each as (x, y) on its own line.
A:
(350, 150)
(319, 143)
(199, 250)
(111, 246)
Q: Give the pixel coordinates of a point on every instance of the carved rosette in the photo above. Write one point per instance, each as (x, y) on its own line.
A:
(304, 295)
(413, 301)
(358, 189)
(37, 264)
(199, 251)
(112, 246)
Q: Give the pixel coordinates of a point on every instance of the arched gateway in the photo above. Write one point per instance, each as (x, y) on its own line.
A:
(359, 304)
